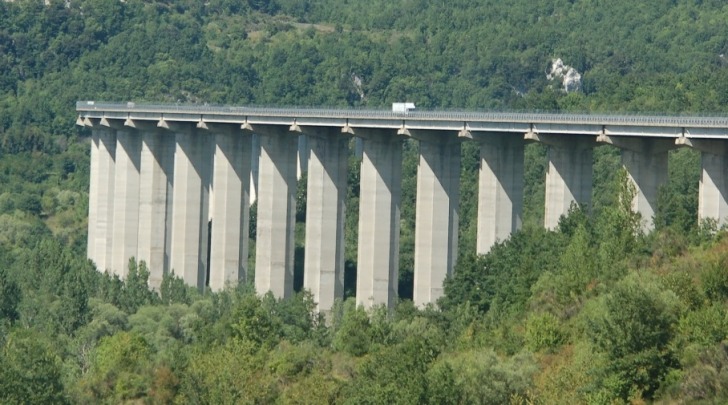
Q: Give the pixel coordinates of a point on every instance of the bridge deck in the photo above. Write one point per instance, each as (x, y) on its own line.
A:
(517, 122)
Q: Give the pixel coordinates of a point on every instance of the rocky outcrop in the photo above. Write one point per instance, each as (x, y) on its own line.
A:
(568, 76)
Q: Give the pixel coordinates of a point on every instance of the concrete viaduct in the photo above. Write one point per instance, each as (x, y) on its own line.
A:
(170, 185)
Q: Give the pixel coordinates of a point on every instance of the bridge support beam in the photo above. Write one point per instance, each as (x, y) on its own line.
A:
(379, 210)
(155, 200)
(277, 214)
(645, 160)
(325, 205)
(190, 231)
(713, 188)
(569, 174)
(101, 192)
(436, 218)
(230, 206)
(500, 189)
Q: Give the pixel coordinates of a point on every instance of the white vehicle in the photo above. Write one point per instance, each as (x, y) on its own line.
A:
(402, 108)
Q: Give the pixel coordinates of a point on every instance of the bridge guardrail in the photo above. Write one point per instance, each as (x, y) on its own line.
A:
(465, 116)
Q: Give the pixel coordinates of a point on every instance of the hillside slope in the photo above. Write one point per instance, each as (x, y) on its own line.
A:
(593, 312)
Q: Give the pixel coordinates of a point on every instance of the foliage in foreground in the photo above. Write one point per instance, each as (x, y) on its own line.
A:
(593, 312)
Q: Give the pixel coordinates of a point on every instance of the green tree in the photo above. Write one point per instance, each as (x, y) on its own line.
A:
(136, 291)
(352, 334)
(480, 377)
(120, 369)
(174, 290)
(634, 326)
(227, 374)
(10, 296)
(505, 275)
(30, 370)
(255, 321)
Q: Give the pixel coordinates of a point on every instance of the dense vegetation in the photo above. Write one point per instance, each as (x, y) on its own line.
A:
(593, 312)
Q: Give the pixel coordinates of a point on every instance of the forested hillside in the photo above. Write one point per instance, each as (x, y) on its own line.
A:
(593, 312)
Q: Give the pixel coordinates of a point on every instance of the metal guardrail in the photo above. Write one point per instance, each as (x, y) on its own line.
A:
(466, 116)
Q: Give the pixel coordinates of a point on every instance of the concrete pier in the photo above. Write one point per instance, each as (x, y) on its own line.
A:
(325, 205)
(713, 187)
(500, 188)
(190, 201)
(155, 194)
(302, 156)
(569, 174)
(646, 163)
(93, 194)
(436, 221)
(254, 159)
(105, 199)
(125, 224)
(155, 201)
(230, 206)
(276, 210)
(379, 210)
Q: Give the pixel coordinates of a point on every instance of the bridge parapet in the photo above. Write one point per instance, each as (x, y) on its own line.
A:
(435, 119)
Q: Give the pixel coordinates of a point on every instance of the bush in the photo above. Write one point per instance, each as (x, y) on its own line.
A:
(633, 326)
(543, 331)
(715, 279)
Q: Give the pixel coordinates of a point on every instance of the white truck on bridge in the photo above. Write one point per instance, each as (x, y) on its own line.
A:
(402, 108)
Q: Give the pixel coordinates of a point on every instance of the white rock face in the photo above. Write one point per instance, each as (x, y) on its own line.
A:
(356, 81)
(569, 77)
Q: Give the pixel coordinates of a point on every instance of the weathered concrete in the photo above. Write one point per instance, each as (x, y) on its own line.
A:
(713, 188)
(436, 217)
(101, 207)
(155, 196)
(302, 156)
(94, 189)
(500, 188)
(645, 160)
(569, 174)
(254, 164)
(276, 210)
(379, 210)
(230, 207)
(125, 224)
(190, 201)
(325, 206)
(105, 197)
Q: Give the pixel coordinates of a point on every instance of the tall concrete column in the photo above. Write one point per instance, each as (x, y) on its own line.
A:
(379, 209)
(436, 218)
(126, 200)
(254, 164)
(93, 194)
(303, 152)
(230, 207)
(325, 204)
(155, 197)
(276, 219)
(103, 222)
(500, 187)
(569, 174)
(713, 188)
(192, 158)
(645, 160)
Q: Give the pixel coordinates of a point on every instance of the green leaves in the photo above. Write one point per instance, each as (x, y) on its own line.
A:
(30, 370)
(634, 325)
(9, 298)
